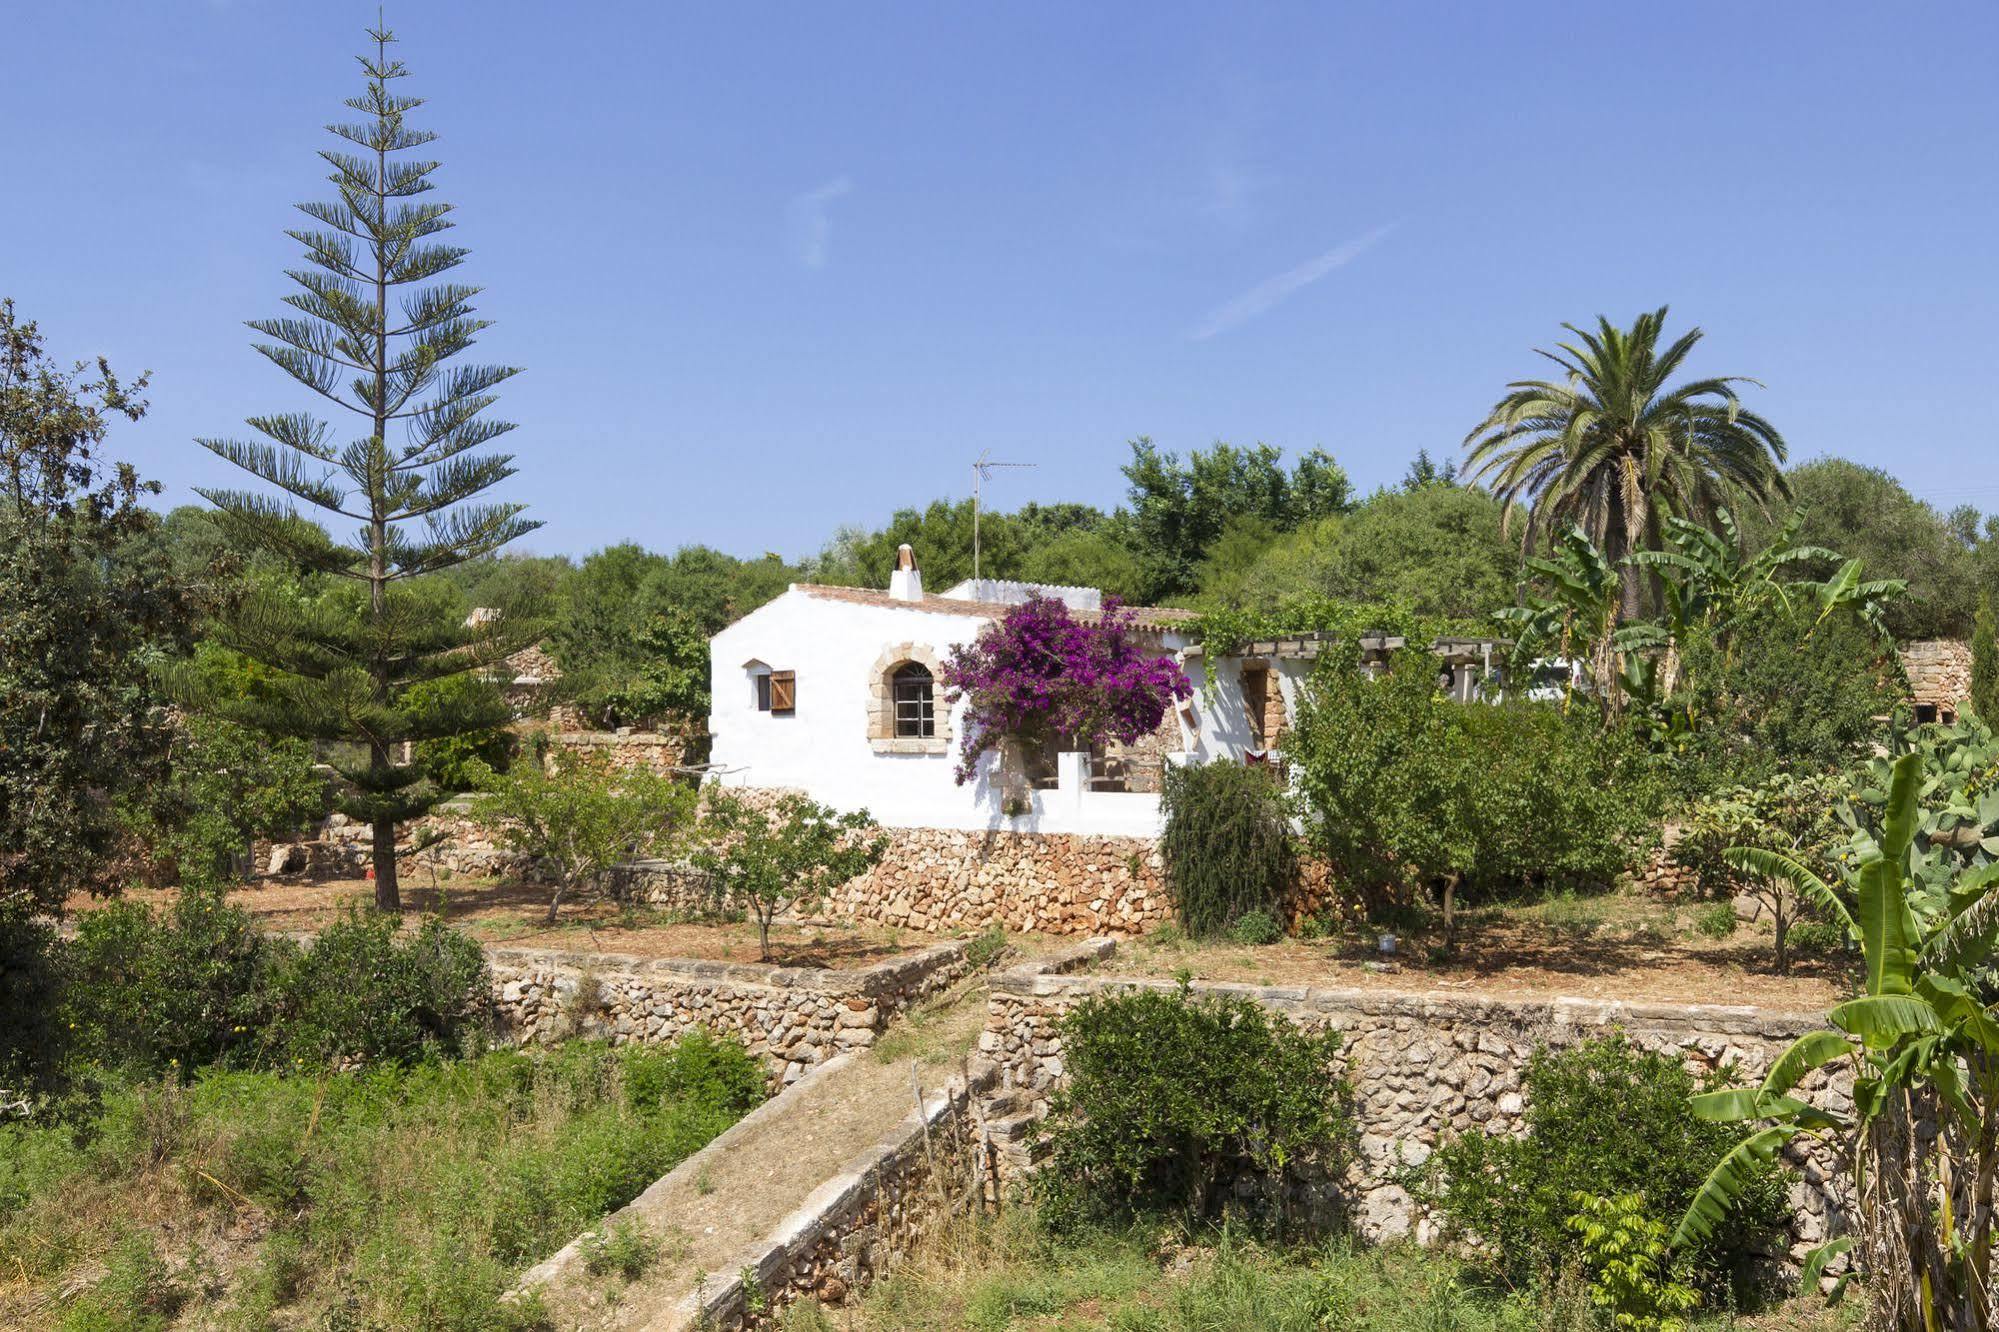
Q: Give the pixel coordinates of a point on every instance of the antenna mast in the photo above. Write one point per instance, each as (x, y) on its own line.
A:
(982, 470)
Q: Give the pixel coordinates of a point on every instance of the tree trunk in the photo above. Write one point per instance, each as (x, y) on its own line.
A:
(1782, 921)
(1451, 913)
(388, 897)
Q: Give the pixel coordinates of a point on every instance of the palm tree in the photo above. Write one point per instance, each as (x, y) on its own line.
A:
(1613, 450)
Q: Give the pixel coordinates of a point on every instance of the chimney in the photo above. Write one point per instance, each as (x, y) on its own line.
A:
(906, 583)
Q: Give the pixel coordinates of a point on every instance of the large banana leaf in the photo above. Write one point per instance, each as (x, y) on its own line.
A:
(1815, 1265)
(1734, 1104)
(1811, 1050)
(1882, 1019)
(1727, 1182)
(1761, 864)
(1885, 927)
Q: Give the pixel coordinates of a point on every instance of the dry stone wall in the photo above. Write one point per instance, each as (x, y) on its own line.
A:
(1939, 672)
(1423, 1067)
(791, 1017)
(944, 879)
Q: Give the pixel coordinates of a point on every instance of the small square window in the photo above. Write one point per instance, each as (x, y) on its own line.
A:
(763, 691)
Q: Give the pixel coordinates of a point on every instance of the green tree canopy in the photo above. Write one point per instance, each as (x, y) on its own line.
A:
(1435, 548)
(1179, 510)
(1864, 512)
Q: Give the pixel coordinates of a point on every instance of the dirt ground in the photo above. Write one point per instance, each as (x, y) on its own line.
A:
(512, 914)
(1626, 946)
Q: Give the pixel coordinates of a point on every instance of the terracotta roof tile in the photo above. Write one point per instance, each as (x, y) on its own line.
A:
(1145, 617)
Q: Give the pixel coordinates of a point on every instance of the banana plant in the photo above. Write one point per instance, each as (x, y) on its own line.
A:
(1706, 577)
(1866, 599)
(1575, 616)
(1919, 1150)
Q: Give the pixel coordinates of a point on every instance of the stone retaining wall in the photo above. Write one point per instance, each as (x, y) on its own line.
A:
(850, 1229)
(1423, 1066)
(1054, 883)
(791, 1017)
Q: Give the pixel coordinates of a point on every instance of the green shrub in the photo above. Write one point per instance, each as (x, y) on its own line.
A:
(1172, 1096)
(625, 1251)
(173, 989)
(199, 985)
(1631, 1278)
(1716, 920)
(1409, 790)
(1603, 1118)
(365, 990)
(1227, 845)
(1818, 937)
(985, 949)
(700, 1068)
(1787, 692)
(1255, 928)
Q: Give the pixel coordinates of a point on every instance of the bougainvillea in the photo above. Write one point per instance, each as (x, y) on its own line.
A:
(1041, 673)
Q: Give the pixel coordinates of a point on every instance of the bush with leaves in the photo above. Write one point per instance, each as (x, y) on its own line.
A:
(583, 817)
(1792, 692)
(179, 988)
(790, 852)
(1406, 788)
(1171, 1097)
(1602, 1118)
(1633, 1280)
(198, 985)
(1227, 846)
(1726, 839)
(367, 989)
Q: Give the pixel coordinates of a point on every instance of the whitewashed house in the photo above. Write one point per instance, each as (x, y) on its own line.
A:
(835, 691)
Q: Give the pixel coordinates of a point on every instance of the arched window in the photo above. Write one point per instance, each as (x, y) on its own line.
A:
(914, 694)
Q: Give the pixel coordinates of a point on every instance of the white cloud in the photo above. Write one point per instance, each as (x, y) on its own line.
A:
(811, 222)
(1273, 290)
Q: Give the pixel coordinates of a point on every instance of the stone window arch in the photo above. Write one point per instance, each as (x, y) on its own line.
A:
(906, 711)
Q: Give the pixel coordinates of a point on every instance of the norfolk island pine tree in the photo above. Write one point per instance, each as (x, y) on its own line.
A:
(346, 664)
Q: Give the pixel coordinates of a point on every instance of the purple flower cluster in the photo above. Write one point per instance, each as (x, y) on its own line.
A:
(1042, 673)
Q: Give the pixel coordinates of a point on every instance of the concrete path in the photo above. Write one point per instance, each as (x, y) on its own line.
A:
(736, 1190)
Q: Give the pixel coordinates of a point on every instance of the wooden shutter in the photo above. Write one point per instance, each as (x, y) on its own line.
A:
(783, 691)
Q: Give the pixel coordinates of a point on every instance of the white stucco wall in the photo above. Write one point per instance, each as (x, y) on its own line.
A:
(823, 747)
(1220, 713)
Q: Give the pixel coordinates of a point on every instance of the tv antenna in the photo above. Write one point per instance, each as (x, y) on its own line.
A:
(982, 471)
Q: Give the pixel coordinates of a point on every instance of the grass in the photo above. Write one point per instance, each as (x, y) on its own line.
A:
(405, 1199)
(1009, 1275)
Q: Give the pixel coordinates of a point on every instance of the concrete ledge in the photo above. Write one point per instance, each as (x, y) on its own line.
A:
(874, 979)
(569, 1260)
(783, 1260)
(1045, 982)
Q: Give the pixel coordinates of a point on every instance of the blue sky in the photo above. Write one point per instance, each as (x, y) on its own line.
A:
(773, 269)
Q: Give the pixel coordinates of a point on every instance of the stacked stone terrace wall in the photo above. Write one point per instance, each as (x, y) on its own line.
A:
(1423, 1067)
(791, 1017)
(1939, 671)
(1054, 883)
(655, 751)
